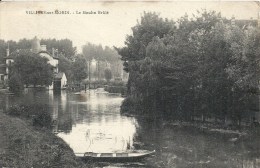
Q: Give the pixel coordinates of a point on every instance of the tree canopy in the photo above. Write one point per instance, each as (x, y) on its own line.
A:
(63, 46)
(32, 69)
(192, 68)
(105, 57)
(108, 74)
(64, 50)
(79, 69)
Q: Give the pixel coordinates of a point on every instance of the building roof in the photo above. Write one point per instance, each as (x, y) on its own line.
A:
(44, 52)
(58, 75)
(47, 54)
(21, 51)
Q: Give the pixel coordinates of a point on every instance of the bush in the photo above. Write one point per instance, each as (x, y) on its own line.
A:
(39, 113)
(131, 106)
(42, 119)
(115, 89)
(14, 111)
(117, 83)
(15, 84)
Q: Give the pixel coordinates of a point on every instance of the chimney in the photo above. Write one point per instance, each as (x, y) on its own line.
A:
(7, 51)
(186, 16)
(233, 21)
(43, 48)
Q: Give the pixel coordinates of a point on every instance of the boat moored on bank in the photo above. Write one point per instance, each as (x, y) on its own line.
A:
(116, 156)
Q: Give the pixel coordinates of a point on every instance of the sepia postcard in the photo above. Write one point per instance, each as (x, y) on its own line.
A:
(140, 84)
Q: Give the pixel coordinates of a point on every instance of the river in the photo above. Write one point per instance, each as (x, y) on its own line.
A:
(91, 122)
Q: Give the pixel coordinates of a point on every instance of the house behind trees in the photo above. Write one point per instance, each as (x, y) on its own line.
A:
(59, 80)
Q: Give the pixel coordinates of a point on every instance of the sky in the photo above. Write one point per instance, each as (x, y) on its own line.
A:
(105, 29)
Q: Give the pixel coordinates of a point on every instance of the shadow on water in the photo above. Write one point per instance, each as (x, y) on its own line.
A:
(92, 122)
(186, 146)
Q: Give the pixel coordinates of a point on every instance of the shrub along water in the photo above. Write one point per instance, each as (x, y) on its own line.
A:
(115, 89)
(15, 84)
(29, 147)
(26, 146)
(38, 113)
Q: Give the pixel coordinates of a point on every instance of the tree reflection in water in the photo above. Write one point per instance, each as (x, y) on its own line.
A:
(92, 122)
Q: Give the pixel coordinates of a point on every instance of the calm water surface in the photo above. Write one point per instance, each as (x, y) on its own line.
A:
(92, 121)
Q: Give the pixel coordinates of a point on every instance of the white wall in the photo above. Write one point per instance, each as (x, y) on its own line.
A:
(63, 80)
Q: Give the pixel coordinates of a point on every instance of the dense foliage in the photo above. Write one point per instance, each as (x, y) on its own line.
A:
(108, 74)
(200, 68)
(15, 84)
(38, 113)
(105, 57)
(69, 61)
(79, 69)
(31, 68)
(63, 46)
(65, 65)
(63, 49)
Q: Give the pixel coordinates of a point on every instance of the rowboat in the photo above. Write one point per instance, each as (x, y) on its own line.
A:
(117, 157)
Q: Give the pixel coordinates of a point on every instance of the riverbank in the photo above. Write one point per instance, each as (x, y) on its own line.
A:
(248, 137)
(22, 145)
(214, 127)
(210, 127)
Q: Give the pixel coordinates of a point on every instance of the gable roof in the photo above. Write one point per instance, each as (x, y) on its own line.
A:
(58, 75)
(47, 53)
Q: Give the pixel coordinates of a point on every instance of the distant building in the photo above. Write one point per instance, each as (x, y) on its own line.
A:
(59, 81)
(4, 68)
(41, 50)
(246, 24)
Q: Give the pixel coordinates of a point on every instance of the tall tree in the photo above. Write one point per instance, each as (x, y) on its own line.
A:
(79, 69)
(64, 47)
(65, 65)
(142, 71)
(203, 68)
(32, 69)
(104, 57)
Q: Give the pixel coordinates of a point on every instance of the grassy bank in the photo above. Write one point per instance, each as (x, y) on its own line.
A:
(22, 145)
(116, 89)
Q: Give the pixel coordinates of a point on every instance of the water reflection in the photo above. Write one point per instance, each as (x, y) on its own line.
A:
(91, 121)
(97, 124)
